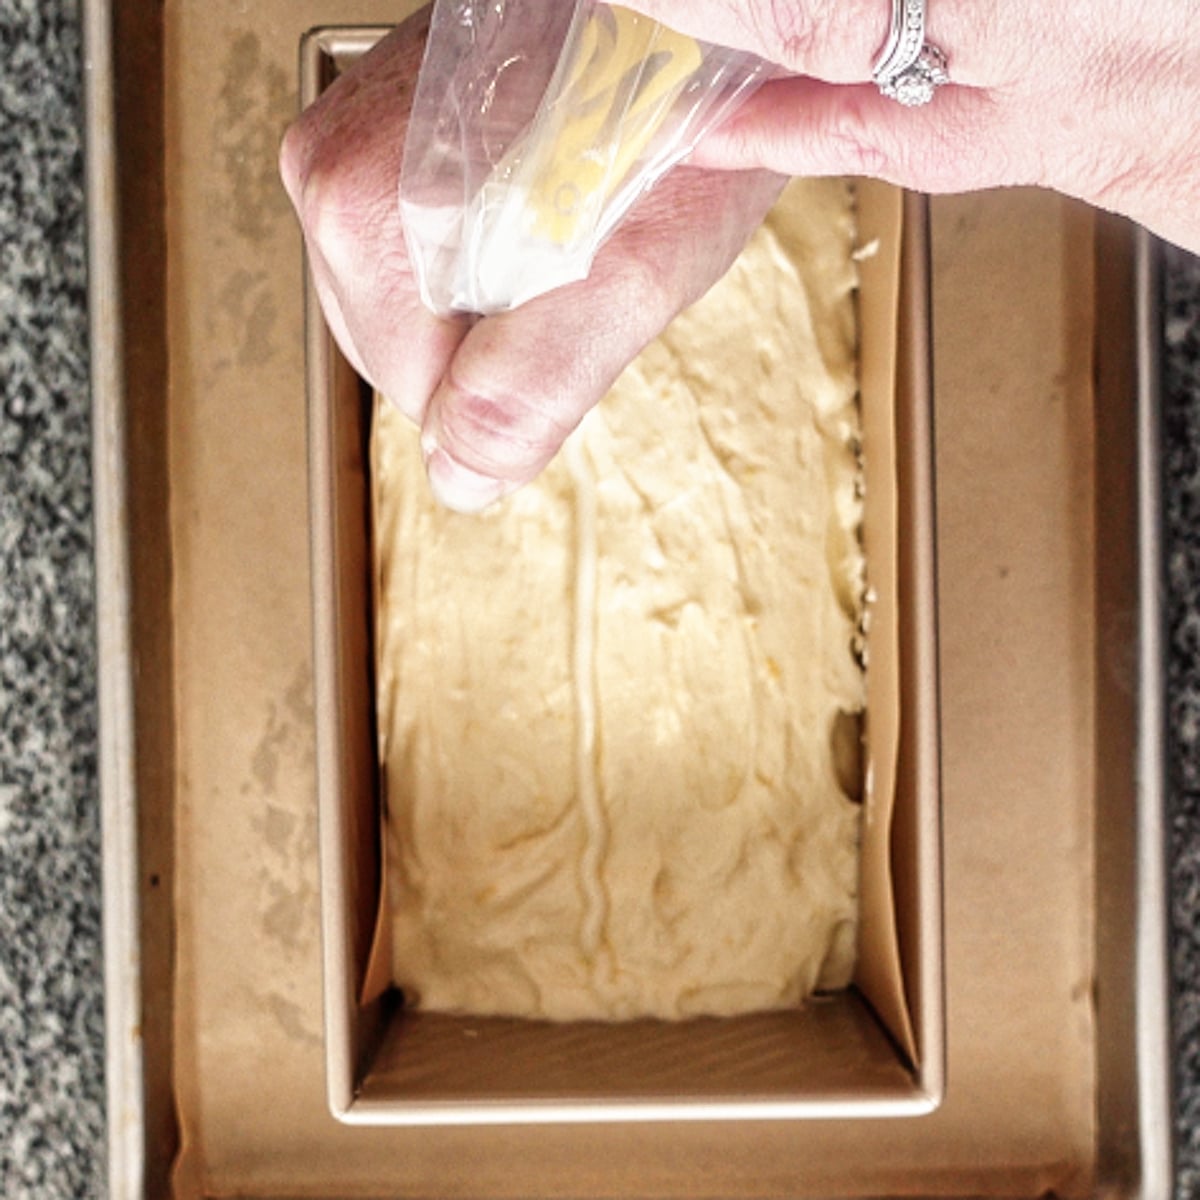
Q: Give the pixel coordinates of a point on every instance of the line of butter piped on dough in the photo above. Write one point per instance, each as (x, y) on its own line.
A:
(595, 915)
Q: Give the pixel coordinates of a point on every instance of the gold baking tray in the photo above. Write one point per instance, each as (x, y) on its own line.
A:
(1058, 1069)
(876, 1049)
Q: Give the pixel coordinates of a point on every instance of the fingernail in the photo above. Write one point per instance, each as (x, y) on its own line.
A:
(457, 487)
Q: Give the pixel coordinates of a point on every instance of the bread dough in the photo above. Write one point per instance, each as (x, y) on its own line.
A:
(610, 708)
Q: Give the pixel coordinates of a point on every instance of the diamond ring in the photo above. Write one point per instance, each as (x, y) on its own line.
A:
(909, 69)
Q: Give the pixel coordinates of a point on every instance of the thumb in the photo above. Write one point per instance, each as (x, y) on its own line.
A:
(521, 381)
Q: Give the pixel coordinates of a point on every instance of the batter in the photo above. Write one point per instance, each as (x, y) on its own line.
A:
(613, 710)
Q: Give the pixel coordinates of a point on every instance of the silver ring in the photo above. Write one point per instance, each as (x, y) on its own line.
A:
(909, 69)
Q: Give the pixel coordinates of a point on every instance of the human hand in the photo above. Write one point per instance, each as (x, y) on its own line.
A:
(1099, 99)
(496, 397)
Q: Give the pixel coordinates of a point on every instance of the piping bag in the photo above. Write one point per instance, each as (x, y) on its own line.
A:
(535, 127)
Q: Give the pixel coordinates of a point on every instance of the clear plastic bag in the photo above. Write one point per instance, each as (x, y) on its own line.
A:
(535, 126)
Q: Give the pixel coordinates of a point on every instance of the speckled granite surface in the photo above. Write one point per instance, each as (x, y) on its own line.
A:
(51, 1014)
(51, 1055)
(1181, 421)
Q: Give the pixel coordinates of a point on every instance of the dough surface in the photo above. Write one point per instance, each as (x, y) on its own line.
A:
(609, 709)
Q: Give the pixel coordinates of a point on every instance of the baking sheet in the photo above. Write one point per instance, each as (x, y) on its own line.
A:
(1018, 514)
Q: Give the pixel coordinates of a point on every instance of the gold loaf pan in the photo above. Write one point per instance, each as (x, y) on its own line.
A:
(875, 1050)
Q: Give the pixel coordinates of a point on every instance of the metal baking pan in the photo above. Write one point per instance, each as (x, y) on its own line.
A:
(128, 151)
(844, 1057)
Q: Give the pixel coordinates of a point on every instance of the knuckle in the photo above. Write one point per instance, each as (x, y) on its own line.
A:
(756, 144)
(335, 181)
(499, 434)
(811, 38)
(952, 146)
(324, 216)
(792, 34)
(859, 144)
(334, 207)
(652, 276)
(641, 271)
(792, 29)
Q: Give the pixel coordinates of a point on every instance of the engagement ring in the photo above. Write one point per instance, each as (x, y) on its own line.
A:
(909, 69)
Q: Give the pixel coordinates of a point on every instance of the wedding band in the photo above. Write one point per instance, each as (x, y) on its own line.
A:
(909, 69)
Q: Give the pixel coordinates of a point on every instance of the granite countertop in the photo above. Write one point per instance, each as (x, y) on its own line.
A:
(51, 1001)
(1181, 441)
(51, 996)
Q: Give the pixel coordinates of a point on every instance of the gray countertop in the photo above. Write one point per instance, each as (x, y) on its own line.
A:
(51, 999)
(1181, 432)
(51, 996)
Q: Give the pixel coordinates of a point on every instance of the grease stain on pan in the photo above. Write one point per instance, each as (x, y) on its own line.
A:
(244, 319)
(254, 104)
(284, 823)
(255, 101)
(292, 1019)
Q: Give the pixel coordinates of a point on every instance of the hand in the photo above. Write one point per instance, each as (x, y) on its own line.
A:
(1099, 99)
(495, 398)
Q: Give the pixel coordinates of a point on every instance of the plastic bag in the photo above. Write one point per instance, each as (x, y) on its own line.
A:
(535, 126)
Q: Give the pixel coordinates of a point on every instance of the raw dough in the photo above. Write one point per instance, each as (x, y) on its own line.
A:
(610, 709)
